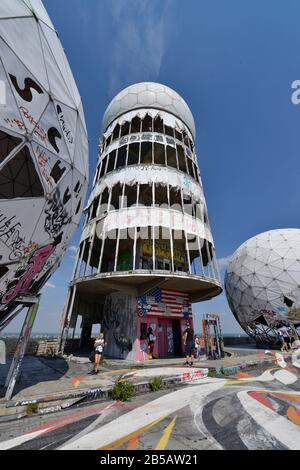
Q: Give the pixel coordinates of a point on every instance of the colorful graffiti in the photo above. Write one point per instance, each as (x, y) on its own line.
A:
(35, 264)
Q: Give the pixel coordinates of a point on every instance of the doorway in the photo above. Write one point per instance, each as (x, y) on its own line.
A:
(169, 338)
(177, 338)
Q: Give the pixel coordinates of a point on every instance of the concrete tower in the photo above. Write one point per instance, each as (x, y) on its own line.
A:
(146, 251)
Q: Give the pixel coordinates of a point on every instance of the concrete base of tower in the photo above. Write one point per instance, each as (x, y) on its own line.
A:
(129, 322)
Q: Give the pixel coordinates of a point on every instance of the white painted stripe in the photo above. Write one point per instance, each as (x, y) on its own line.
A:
(278, 426)
(104, 413)
(286, 377)
(16, 441)
(144, 415)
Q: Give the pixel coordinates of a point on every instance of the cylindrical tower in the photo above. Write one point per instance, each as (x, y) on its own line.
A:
(147, 234)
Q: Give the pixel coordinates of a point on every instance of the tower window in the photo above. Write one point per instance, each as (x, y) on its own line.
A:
(178, 135)
(125, 129)
(147, 124)
(111, 161)
(169, 131)
(95, 207)
(171, 156)
(116, 197)
(145, 195)
(133, 154)
(161, 195)
(181, 158)
(159, 154)
(135, 125)
(116, 132)
(190, 167)
(158, 125)
(175, 199)
(121, 159)
(146, 152)
(104, 161)
(130, 196)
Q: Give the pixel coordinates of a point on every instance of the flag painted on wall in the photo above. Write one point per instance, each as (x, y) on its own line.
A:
(164, 302)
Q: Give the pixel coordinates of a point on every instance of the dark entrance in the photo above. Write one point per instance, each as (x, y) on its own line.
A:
(177, 337)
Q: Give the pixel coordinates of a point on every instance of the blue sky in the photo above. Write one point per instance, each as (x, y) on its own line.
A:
(233, 62)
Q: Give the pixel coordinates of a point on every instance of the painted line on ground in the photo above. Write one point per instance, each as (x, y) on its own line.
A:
(163, 442)
(144, 415)
(280, 427)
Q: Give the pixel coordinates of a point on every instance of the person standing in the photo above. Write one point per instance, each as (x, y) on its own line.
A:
(98, 350)
(151, 342)
(197, 347)
(189, 344)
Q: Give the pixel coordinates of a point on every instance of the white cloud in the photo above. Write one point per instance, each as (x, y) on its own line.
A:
(72, 248)
(139, 43)
(49, 285)
(223, 262)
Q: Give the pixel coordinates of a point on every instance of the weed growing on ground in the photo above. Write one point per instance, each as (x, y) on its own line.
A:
(123, 390)
(32, 408)
(155, 384)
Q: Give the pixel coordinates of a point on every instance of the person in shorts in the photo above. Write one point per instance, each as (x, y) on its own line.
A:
(287, 340)
(197, 347)
(98, 349)
(189, 344)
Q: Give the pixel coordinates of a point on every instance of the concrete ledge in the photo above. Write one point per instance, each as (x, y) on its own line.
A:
(57, 401)
(71, 397)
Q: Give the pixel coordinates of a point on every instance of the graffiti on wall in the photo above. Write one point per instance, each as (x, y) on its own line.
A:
(118, 324)
(25, 274)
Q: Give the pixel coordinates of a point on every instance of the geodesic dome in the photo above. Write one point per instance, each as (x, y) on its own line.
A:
(43, 151)
(262, 283)
(149, 95)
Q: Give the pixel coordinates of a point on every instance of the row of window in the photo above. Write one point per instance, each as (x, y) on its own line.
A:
(148, 248)
(152, 153)
(155, 194)
(148, 124)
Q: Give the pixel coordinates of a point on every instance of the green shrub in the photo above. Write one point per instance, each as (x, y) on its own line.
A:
(122, 390)
(211, 373)
(222, 370)
(155, 384)
(32, 408)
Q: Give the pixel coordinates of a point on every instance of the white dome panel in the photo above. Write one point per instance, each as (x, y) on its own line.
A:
(272, 292)
(149, 94)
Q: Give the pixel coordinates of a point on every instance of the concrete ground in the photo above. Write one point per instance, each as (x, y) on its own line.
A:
(49, 380)
(41, 376)
(257, 409)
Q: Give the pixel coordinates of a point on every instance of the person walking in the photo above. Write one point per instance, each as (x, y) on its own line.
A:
(281, 341)
(285, 332)
(98, 351)
(189, 344)
(197, 347)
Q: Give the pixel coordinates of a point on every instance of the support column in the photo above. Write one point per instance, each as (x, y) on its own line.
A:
(66, 320)
(21, 348)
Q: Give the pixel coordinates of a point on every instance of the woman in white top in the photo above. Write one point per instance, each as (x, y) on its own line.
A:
(98, 349)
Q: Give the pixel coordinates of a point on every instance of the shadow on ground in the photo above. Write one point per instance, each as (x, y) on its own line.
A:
(34, 369)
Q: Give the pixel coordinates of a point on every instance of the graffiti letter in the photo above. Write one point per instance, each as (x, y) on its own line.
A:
(26, 93)
(53, 133)
(57, 171)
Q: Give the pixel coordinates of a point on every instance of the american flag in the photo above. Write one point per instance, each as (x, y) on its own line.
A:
(164, 302)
